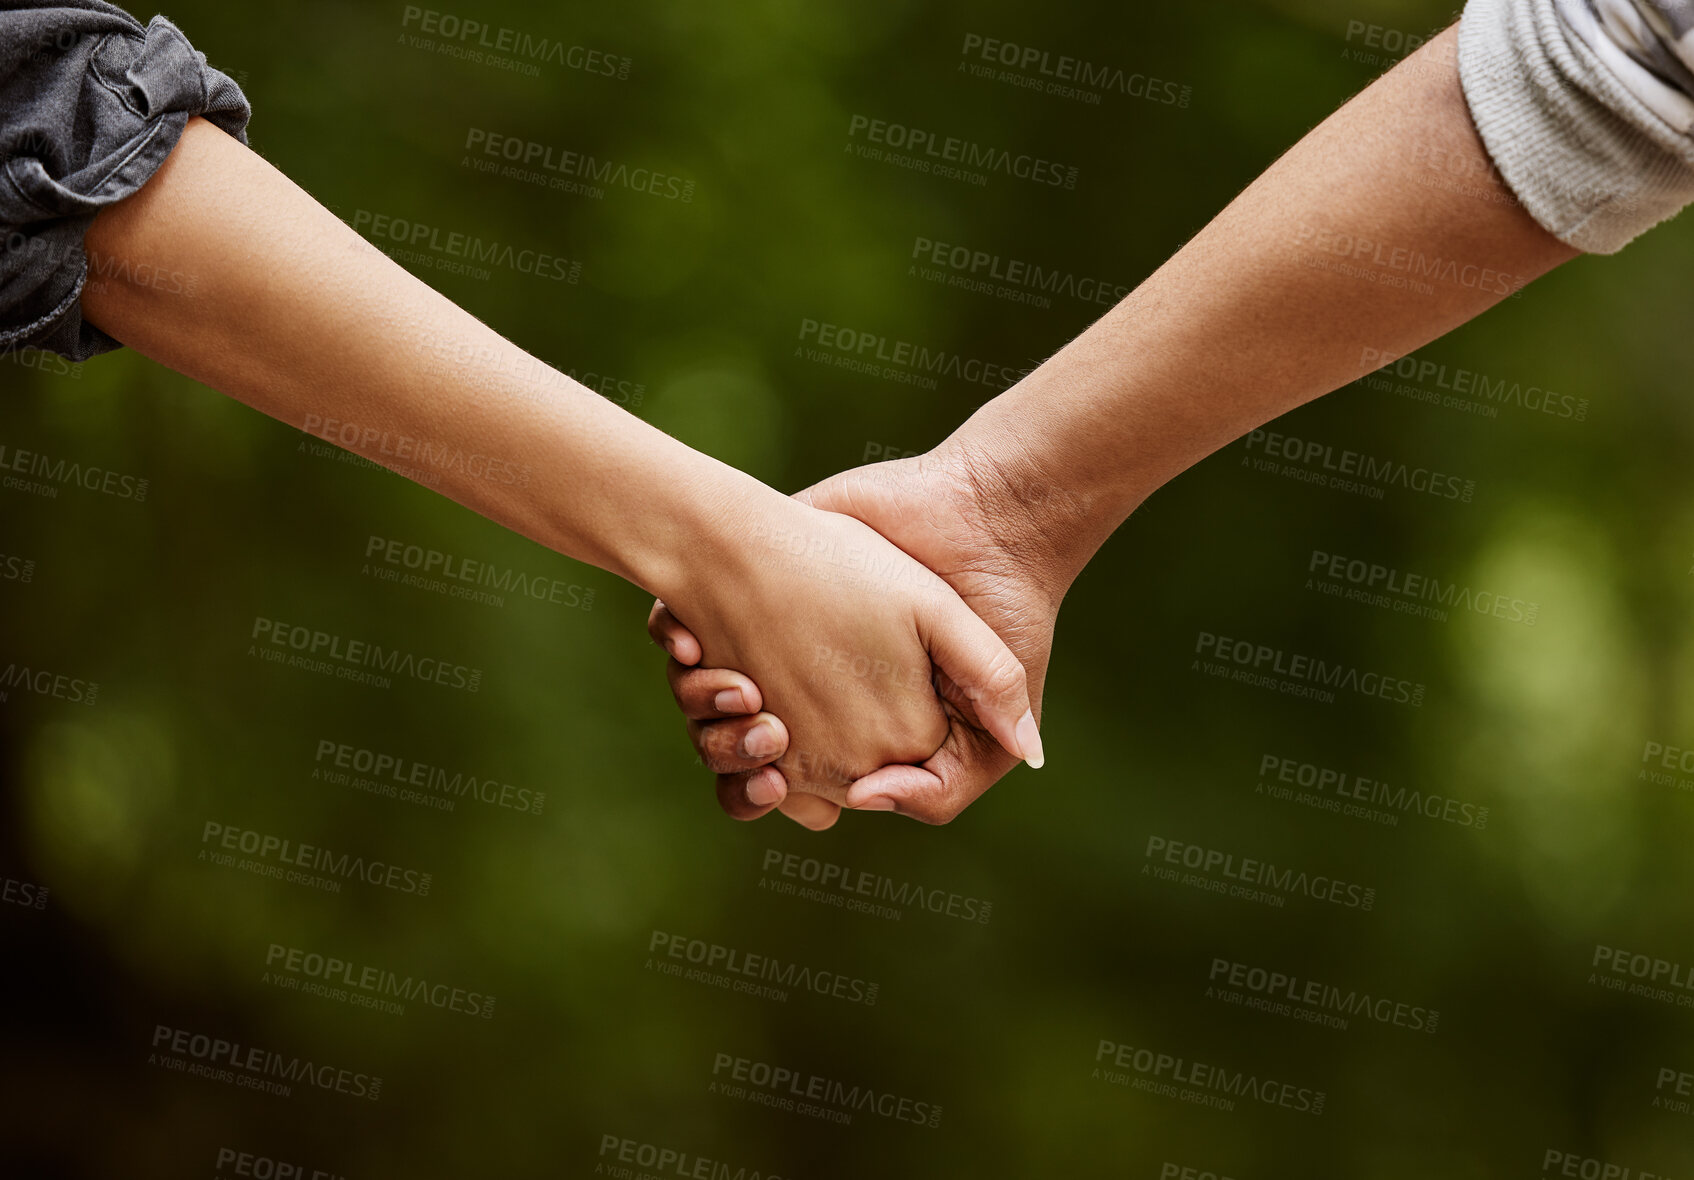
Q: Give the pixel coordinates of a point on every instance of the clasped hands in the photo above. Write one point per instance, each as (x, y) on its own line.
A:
(903, 673)
(878, 642)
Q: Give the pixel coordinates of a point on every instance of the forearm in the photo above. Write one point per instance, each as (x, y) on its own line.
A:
(283, 307)
(1265, 309)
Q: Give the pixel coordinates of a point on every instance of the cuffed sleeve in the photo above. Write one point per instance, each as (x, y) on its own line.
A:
(91, 104)
(1584, 110)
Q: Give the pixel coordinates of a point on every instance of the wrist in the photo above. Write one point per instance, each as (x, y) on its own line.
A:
(643, 505)
(1049, 526)
(723, 529)
(1058, 464)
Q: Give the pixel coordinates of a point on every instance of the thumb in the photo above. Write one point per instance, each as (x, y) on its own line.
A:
(979, 670)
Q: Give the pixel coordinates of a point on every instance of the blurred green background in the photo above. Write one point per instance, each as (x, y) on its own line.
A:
(693, 310)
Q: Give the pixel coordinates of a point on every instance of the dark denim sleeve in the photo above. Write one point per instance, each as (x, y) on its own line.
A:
(91, 103)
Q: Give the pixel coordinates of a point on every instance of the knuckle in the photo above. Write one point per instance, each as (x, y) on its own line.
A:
(928, 812)
(1005, 677)
(656, 618)
(810, 812)
(677, 678)
(946, 805)
(732, 798)
(926, 726)
(693, 694)
(719, 749)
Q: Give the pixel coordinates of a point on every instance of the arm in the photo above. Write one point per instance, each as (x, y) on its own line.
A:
(294, 314)
(1258, 314)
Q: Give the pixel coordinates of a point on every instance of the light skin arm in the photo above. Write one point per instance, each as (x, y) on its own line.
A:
(277, 303)
(293, 313)
(1256, 315)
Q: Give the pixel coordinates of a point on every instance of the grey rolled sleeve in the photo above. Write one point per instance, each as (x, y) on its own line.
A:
(91, 104)
(1581, 111)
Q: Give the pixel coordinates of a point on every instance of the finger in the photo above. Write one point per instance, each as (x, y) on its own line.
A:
(737, 745)
(668, 632)
(706, 694)
(750, 795)
(909, 790)
(936, 792)
(978, 667)
(809, 811)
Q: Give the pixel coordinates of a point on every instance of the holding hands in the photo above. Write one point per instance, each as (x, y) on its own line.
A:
(861, 658)
(975, 531)
(880, 641)
(1240, 326)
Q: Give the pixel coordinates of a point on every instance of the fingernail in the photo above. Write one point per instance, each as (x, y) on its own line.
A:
(761, 741)
(1029, 740)
(875, 803)
(762, 790)
(730, 700)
